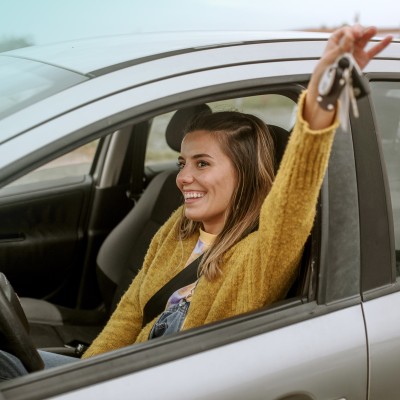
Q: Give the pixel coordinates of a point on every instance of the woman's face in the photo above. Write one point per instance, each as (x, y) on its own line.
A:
(207, 180)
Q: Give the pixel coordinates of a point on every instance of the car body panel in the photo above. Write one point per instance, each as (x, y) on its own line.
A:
(151, 71)
(162, 69)
(382, 319)
(245, 369)
(86, 56)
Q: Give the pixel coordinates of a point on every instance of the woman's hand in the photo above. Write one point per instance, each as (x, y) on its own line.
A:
(349, 39)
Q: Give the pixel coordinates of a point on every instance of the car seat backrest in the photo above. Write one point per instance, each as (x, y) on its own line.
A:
(123, 251)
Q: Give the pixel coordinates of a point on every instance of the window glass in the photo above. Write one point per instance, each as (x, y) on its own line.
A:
(271, 108)
(386, 98)
(24, 82)
(73, 164)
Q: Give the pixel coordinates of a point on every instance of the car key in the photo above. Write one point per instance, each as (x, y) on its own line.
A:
(342, 80)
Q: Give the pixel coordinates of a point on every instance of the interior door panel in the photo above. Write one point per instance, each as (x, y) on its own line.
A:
(42, 235)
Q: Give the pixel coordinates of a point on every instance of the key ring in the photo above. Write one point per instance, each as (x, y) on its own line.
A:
(333, 82)
(342, 80)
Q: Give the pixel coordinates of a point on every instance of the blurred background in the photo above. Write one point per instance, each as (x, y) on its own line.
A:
(26, 22)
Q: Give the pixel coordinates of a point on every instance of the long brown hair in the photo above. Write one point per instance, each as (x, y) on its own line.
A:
(246, 140)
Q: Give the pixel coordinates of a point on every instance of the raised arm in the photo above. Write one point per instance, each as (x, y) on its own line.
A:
(287, 214)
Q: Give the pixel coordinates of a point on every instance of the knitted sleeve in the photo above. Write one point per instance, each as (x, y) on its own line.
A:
(288, 212)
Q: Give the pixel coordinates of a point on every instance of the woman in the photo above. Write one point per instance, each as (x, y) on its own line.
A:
(251, 231)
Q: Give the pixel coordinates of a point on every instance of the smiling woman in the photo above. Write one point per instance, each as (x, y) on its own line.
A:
(226, 170)
(207, 180)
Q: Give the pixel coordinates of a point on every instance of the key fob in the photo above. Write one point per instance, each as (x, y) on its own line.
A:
(326, 82)
(359, 82)
(332, 83)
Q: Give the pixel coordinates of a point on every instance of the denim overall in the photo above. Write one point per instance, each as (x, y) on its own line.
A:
(170, 320)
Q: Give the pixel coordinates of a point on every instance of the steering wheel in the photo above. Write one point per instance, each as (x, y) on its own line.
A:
(14, 329)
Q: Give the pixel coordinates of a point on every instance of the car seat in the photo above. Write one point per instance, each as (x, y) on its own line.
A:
(122, 252)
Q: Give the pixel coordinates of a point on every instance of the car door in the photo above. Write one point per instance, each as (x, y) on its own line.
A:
(303, 348)
(381, 283)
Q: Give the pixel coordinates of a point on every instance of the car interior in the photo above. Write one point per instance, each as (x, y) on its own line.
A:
(142, 199)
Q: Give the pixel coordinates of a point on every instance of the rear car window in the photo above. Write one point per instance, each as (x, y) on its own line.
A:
(386, 99)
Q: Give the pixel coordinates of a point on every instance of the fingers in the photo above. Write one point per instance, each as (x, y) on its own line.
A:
(353, 40)
(349, 36)
(345, 38)
(379, 46)
(366, 35)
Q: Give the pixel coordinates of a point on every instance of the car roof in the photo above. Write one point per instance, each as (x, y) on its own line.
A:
(96, 56)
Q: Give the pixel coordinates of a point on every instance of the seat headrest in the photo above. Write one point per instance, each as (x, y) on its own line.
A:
(178, 123)
(181, 118)
(280, 137)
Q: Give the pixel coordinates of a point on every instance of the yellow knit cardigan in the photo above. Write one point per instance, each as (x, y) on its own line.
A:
(257, 271)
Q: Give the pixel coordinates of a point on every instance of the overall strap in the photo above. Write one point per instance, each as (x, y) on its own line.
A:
(157, 303)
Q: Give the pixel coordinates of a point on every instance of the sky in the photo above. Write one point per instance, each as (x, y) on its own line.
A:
(47, 21)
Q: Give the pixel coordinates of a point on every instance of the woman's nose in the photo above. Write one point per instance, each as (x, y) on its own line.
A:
(184, 176)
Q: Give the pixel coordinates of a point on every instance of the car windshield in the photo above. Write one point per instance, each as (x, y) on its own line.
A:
(24, 82)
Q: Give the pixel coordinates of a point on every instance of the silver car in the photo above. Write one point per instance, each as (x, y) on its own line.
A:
(84, 160)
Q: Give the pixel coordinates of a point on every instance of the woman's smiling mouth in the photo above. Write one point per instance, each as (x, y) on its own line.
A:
(192, 195)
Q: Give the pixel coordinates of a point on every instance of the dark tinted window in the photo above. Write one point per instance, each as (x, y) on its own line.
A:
(386, 98)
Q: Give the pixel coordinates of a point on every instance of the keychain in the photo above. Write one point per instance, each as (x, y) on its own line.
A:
(343, 80)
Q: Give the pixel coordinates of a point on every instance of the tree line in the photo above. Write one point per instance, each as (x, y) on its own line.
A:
(11, 43)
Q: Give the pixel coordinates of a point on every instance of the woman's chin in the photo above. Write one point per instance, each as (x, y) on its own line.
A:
(193, 216)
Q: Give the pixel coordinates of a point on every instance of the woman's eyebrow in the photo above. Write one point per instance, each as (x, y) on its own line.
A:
(196, 156)
(202, 155)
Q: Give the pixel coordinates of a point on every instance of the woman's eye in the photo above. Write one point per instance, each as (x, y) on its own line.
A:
(180, 165)
(202, 164)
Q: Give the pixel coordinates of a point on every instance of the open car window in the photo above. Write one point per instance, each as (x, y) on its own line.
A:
(274, 109)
